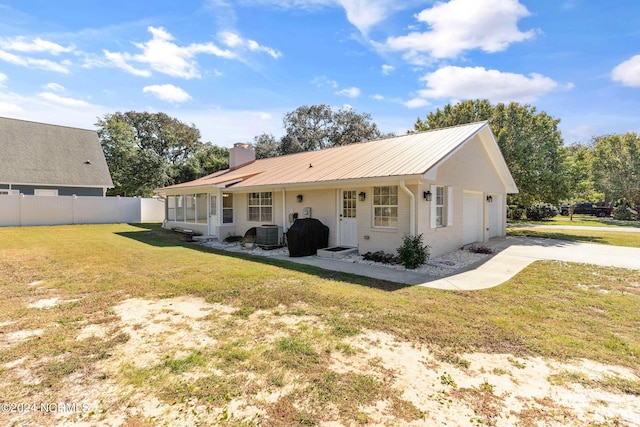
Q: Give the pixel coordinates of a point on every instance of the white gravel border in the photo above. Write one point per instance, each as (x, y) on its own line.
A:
(444, 265)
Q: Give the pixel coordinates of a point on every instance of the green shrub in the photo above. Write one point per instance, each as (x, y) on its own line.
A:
(541, 211)
(623, 210)
(515, 212)
(413, 252)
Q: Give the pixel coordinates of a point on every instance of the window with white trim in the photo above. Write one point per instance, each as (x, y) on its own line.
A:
(441, 207)
(260, 207)
(385, 206)
(227, 208)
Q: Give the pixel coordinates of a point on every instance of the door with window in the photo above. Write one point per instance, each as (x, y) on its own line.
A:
(348, 218)
(213, 215)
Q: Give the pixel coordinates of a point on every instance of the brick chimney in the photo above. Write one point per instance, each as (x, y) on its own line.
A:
(241, 154)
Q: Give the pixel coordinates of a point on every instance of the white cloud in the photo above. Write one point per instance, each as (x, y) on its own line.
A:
(364, 14)
(628, 72)
(377, 97)
(21, 44)
(388, 69)
(64, 101)
(43, 64)
(54, 87)
(460, 25)
(233, 40)
(416, 103)
(168, 92)
(351, 92)
(161, 54)
(3, 78)
(120, 61)
(478, 82)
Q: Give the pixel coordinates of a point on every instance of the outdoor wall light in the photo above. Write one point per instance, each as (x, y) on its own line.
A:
(299, 198)
(427, 195)
(490, 198)
(362, 196)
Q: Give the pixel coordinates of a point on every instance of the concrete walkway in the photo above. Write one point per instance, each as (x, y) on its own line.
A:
(518, 252)
(514, 254)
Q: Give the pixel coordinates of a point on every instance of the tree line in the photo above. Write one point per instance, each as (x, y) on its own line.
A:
(146, 151)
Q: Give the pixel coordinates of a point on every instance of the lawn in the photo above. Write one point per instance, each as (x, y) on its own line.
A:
(612, 237)
(581, 220)
(253, 341)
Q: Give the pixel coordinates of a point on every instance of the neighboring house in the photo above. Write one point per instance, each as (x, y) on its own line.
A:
(448, 184)
(44, 159)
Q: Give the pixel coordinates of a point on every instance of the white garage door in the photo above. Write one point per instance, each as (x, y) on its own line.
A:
(472, 217)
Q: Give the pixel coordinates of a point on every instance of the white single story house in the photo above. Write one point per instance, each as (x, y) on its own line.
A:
(450, 185)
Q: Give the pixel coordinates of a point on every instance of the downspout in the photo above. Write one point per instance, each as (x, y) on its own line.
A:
(284, 210)
(412, 207)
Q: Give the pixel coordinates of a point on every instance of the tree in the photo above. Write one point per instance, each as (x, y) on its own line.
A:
(144, 150)
(265, 145)
(318, 126)
(530, 143)
(209, 159)
(578, 166)
(616, 166)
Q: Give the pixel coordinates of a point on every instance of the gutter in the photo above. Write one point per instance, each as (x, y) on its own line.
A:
(412, 206)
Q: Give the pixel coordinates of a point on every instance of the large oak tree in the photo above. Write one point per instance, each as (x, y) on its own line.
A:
(529, 140)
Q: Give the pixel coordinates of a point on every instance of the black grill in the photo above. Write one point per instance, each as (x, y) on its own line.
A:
(306, 236)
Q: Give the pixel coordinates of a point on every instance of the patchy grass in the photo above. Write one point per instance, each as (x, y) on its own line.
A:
(588, 236)
(284, 325)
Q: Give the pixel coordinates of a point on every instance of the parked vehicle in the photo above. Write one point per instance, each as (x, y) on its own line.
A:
(587, 208)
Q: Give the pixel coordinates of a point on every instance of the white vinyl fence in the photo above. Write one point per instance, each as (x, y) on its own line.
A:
(21, 210)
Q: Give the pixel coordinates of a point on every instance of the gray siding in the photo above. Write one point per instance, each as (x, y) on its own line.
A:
(62, 191)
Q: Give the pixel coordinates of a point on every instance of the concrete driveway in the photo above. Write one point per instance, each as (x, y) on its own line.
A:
(518, 252)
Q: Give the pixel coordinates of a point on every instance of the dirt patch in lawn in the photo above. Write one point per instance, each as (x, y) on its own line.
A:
(183, 361)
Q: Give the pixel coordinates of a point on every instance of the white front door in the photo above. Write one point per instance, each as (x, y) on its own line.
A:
(472, 217)
(213, 215)
(348, 219)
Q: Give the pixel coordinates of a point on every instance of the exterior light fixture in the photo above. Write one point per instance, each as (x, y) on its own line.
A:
(299, 198)
(427, 195)
(362, 196)
(490, 198)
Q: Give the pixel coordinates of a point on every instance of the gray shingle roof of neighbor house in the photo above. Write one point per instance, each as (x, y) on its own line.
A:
(39, 153)
(401, 156)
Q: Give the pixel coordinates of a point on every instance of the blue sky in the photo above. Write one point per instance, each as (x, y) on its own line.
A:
(234, 68)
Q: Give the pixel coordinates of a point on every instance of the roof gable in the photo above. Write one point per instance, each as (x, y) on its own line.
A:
(39, 153)
(406, 155)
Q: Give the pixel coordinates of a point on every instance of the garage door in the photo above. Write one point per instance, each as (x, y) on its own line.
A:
(472, 217)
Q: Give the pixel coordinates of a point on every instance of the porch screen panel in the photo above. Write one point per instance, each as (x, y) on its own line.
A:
(171, 208)
(190, 207)
(201, 208)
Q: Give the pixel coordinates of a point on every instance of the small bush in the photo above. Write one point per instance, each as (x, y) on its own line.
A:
(413, 252)
(481, 250)
(623, 210)
(541, 211)
(382, 257)
(515, 212)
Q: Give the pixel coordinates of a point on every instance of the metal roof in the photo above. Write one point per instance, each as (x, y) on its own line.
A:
(405, 155)
(39, 153)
